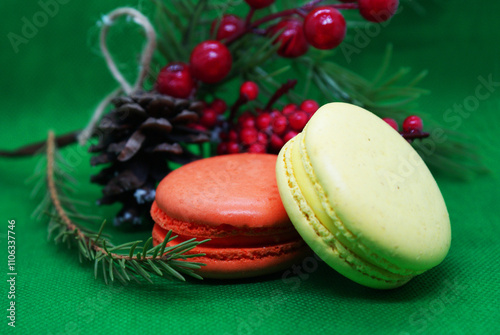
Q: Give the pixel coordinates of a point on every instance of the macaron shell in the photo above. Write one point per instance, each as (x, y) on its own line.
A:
(237, 190)
(378, 186)
(233, 263)
(319, 238)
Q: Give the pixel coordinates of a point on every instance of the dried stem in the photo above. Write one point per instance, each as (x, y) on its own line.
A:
(70, 225)
(280, 92)
(32, 149)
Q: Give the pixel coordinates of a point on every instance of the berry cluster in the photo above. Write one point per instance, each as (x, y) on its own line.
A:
(261, 131)
(293, 30)
(266, 131)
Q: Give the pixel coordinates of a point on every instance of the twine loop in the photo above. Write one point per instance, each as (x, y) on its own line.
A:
(125, 86)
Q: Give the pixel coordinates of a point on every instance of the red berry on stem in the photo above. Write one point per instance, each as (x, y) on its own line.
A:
(309, 106)
(233, 148)
(378, 10)
(257, 148)
(208, 118)
(276, 142)
(219, 106)
(288, 136)
(232, 136)
(258, 4)
(392, 123)
(262, 137)
(175, 79)
(263, 121)
(324, 28)
(279, 124)
(250, 90)
(228, 26)
(248, 135)
(413, 123)
(246, 120)
(298, 120)
(197, 126)
(292, 42)
(210, 61)
(275, 113)
(289, 109)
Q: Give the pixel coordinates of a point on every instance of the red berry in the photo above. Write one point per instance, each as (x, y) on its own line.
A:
(392, 123)
(378, 10)
(289, 109)
(228, 26)
(309, 106)
(413, 123)
(288, 136)
(233, 148)
(246, 120)
(197, 126)
(276, 142)
(232, 136)
(219, 106)
(248, 135)
(279, 124)
(275, 113)
(263, 121)
(257, 148)
(175, 79)
(249, 89)
(262, 137)
(210, 61)
(298, 120)
(222, 148)
(292, 42)
(208, 118)
(257, 4)
(324, 28)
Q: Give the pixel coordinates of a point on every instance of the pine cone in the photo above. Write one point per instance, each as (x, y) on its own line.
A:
(137, 139)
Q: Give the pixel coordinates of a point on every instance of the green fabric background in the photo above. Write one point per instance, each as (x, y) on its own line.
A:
(56, 79)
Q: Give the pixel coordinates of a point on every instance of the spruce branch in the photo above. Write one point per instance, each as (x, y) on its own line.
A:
(124, 262)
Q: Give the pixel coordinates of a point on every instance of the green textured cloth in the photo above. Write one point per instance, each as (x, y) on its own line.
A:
(57, 77)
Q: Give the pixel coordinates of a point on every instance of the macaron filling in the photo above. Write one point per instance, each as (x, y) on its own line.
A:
(215, 251)
(326, 223)
(224, 235)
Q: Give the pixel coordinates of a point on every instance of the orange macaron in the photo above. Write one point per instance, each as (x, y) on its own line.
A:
(233, 200)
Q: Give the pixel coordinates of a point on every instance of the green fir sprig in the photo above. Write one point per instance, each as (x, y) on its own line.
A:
(125, 262)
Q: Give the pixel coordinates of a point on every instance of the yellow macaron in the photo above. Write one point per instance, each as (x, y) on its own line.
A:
(362, 198)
